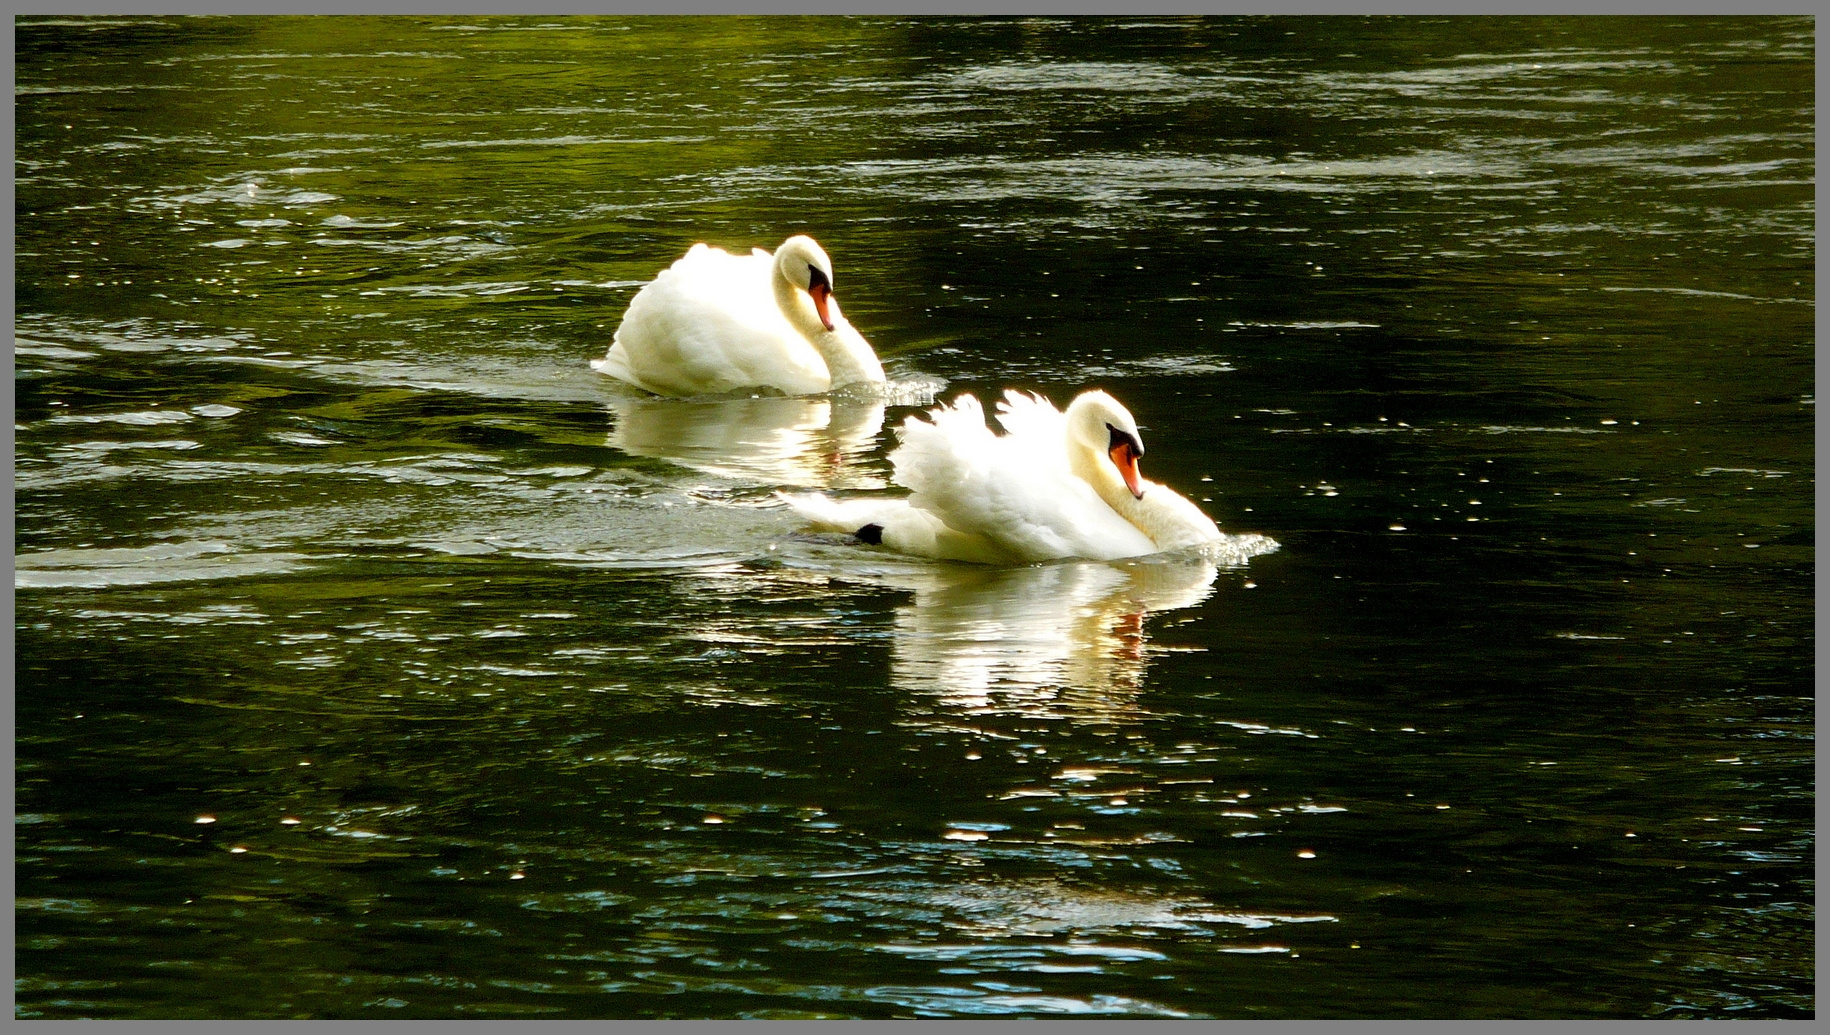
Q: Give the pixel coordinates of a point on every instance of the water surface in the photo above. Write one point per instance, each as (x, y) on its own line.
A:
(375, 657)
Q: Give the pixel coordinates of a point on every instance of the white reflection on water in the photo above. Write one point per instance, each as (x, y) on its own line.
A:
(948, 1001)
(1049, 908)
(813, 442)
(1044, 641)
(161, 562)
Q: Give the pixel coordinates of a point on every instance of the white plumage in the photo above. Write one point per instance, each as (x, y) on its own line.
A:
(714, 322)
(1055, 485)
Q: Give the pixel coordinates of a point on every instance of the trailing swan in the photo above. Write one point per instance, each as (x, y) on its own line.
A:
(1056, 485)
(714, 322)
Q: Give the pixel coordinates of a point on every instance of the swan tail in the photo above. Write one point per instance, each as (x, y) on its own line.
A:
(616, 364)
(895, 525)
(826, 514)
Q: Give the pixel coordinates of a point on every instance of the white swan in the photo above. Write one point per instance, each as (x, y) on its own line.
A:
(715, 322)
(1057, 485)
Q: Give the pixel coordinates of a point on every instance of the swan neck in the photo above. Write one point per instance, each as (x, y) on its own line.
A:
(795, 303)
(849, 359)
(1092, 467)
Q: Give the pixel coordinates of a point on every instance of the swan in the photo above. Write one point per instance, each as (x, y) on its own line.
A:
(1056, 485)
(715, 322)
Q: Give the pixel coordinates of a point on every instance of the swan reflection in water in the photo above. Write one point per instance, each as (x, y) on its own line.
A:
(1044, 641)
(770, 440)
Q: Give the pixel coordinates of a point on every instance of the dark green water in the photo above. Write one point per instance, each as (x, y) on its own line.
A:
(509, 694)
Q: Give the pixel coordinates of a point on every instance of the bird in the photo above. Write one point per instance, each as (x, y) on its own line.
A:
(1056, 485)
(715, 323)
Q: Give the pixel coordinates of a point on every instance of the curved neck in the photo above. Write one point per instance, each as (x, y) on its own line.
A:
(1092, 467)
(795, 303)
(849, 359)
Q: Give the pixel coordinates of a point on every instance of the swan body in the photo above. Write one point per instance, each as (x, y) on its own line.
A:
(714, 322)
(1056, 485)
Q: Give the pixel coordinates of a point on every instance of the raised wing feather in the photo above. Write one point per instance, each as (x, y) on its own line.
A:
(1032, 418)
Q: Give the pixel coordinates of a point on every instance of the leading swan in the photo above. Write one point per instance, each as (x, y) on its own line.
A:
(1057, 485)
(714, 322)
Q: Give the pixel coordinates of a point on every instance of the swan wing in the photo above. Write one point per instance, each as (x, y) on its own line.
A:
(1032, 418)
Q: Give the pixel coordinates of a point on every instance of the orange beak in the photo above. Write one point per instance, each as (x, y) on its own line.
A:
(821, 293)
(1124, 457)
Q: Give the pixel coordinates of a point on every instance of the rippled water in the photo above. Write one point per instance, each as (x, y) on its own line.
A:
(375, 657)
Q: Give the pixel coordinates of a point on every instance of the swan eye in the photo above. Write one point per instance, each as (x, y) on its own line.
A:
(1124, 438)
(816, 278)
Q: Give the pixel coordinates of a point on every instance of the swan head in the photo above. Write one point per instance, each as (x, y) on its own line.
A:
(803, 263)
(1103, 425)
